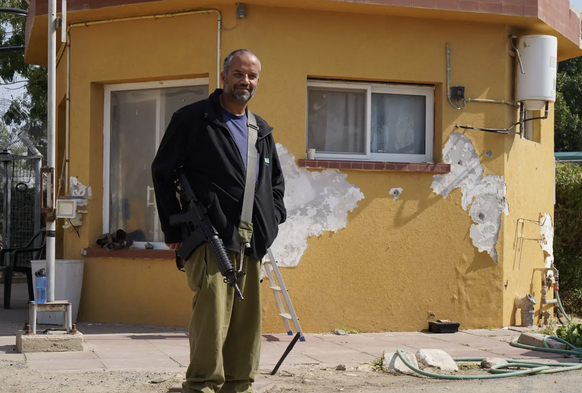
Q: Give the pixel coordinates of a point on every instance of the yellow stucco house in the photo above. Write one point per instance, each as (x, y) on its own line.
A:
(424, 199)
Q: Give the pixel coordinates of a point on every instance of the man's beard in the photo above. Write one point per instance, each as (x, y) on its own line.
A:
(242, 97)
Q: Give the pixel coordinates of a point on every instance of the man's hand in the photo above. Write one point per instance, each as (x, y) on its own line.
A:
(174, 246)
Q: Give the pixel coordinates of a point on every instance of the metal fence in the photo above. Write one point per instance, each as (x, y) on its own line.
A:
(20, 216)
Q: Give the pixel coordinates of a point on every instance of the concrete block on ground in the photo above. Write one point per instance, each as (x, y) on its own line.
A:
(490, 362)
(537, 340)
(51, 342)
(396, 364)
(436, 358)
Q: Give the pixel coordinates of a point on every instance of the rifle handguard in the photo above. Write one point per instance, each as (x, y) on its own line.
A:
(225, 265)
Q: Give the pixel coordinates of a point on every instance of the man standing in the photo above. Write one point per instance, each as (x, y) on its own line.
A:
(209, 140)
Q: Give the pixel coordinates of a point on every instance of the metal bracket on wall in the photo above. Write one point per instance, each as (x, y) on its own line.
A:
(520, 231)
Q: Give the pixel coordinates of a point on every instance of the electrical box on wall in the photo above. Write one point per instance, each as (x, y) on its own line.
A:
(458, 92)
(241, 10)
(66, 208)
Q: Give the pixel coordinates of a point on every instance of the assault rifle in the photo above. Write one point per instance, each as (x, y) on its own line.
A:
(199, 229)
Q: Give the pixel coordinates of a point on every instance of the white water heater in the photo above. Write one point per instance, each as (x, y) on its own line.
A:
(536, 85)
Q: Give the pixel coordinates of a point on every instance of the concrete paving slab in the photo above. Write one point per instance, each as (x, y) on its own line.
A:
(268, 360)
(69, 356)
(162, 363)
(65, 364)
(351, 358)
(12, 357)
(138, 353)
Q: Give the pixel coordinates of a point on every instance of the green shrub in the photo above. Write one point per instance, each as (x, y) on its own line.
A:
(568, 234)
(572, 333)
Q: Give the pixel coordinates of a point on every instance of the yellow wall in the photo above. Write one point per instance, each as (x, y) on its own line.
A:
(396, 262)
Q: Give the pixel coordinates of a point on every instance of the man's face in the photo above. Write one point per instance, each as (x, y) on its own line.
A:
(242, 79)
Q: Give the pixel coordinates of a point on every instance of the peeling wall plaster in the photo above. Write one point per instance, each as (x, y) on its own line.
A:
(395, 192)
(315, 202)
(486, 195)
(547, 235)
(78, 189)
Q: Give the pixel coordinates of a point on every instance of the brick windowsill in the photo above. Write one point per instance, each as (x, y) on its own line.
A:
(129, 253)
(375, 166)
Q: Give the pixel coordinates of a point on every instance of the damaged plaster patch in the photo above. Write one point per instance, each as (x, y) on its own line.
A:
(547, 236)
(315, 202)
(78, 189)
(395, 192)
(486, 195)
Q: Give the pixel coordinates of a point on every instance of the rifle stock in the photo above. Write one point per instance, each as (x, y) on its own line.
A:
(200, 229)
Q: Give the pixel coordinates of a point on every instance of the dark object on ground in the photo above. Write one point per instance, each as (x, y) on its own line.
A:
(443, 327)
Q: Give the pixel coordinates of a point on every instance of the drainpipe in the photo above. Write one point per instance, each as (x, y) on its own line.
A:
(100, 22)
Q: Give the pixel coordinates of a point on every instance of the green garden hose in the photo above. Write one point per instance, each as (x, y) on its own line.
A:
(557, 295)
(573, 351)
(501, 371)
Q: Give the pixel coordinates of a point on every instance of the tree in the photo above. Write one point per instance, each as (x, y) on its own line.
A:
(27, 113)
(568, 107)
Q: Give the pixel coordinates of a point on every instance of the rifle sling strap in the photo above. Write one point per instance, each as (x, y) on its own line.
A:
(245, 228)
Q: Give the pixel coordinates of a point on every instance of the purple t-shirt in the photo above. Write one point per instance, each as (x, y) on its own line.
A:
(238, 127)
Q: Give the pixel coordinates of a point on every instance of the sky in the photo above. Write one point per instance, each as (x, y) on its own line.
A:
(577, 4)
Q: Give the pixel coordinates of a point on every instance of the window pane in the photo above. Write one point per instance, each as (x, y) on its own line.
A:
(138, 120)
(398, 124)
(336, 121)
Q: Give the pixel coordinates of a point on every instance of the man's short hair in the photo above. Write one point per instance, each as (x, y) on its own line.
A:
(228, 59)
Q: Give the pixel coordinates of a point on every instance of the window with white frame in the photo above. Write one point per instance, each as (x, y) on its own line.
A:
(370, 121)
(135, 119)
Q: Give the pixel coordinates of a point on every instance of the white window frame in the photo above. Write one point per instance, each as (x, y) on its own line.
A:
(108, 89)
(386, 88)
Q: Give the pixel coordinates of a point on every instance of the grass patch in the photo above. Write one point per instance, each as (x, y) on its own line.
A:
(469, 366)
(378, 363)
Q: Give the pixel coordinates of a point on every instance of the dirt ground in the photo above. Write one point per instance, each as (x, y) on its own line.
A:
(15, 377)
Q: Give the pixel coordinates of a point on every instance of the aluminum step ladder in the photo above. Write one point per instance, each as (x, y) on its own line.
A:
(279, 290)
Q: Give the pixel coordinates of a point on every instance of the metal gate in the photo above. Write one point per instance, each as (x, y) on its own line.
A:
(20, 216)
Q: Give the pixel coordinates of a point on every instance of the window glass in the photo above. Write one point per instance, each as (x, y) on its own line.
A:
(398, 124)
(336, 121)
(138, 120)
(370, 121)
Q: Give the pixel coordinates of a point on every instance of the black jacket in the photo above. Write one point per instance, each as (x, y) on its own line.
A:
(199, 140)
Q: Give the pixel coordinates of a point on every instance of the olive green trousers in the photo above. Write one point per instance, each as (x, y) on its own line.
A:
(224, 333)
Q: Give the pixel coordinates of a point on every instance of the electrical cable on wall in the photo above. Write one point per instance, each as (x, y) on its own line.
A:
(456, 94)
(74, 227)
(507, 131)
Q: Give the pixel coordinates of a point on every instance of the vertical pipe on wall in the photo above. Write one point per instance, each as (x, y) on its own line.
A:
(67, 109)
(51, 148)
(67, 47)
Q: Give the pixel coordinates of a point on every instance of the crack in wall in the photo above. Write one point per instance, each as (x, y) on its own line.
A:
(315, 202)
(485, 195)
